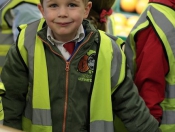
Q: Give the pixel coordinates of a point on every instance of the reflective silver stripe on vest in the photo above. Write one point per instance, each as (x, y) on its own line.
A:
(42, 117)
(170, 91)
(6, 38)
(128, 49)
(117, 56)
(3, 3)
(169, 29)
(37, 116)
(29, 43)
(96, 126)
(169, 117)
(110, 26)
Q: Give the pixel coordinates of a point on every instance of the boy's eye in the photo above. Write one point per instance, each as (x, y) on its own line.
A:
(53, 5)
(72, 5)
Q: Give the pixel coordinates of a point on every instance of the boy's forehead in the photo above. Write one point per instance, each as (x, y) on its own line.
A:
(66, 0)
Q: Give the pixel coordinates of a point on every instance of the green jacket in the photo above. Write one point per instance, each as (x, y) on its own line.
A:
(70, 86)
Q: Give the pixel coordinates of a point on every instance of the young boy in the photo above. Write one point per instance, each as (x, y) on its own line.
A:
(49, 89)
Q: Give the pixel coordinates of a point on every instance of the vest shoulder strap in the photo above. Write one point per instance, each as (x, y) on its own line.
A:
(23, 41)
(107, 38)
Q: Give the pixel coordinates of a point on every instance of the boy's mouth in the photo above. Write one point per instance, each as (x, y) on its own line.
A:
(63, 23)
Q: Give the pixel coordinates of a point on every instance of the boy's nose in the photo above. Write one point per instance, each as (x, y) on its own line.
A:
(62, 12)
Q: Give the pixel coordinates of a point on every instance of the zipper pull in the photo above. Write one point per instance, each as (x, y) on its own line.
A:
(67, 66)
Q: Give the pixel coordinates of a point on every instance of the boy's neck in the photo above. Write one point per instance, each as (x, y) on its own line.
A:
(78, 37)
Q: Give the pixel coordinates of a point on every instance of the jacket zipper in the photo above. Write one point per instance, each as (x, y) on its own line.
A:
(66, 96)
(67, 78)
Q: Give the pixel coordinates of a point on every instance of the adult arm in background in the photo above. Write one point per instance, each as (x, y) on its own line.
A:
(152, 67)
(23, 14)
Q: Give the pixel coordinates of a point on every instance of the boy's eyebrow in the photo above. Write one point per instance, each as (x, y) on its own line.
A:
(75, 1)
(48, 0)
(70, 0)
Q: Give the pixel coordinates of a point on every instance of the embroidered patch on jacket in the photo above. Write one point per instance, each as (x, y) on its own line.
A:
(86, 65)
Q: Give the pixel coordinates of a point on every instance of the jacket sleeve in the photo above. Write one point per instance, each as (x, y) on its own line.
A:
(152, 68)
(130, 107)
(15, 78)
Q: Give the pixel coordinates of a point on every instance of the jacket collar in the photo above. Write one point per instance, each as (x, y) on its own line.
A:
(86, 24)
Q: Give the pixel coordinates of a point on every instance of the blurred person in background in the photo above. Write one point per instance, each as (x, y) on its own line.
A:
(12, 14)
(100, 12)
(150, 51)
(99, 15)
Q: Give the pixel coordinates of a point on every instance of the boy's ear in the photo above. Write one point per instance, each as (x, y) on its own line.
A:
(87, 9)
(40, 7)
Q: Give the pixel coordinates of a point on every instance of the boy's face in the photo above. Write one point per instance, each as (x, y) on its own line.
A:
(64, 17)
